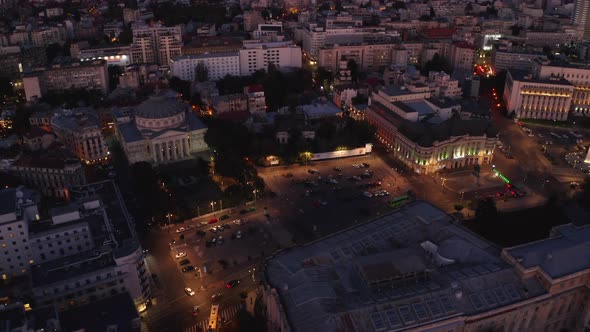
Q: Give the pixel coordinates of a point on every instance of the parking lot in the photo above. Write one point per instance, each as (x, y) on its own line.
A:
(311, 192)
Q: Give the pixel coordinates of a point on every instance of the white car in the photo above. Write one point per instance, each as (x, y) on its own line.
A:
(238, 234)
(180, 230)
(180, 255)
(189, 291)
(237, 222)
(367, 194)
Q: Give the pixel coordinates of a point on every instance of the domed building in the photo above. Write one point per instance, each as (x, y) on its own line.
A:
(160, 130)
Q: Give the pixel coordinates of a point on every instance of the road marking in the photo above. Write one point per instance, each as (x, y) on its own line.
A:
(228, 313)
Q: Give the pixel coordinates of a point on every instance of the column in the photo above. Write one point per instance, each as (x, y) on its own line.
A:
(174, 153)
(155, 152)
(187, 150)
(161, 152)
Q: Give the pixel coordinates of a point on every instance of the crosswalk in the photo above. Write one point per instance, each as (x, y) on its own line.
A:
(227, 313)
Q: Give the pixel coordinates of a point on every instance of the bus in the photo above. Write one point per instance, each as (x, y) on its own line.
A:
(212, 326)
(398, 201)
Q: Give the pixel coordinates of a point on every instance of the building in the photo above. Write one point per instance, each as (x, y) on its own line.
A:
(581, 18)
(237, 102)
(320, 109)
(218, 65)
(45, 36)
(416, 269)
(18, 209)
(256, 55)
(81, 132)
(343, 95)
(51, 172)
(423, 134)
(209, 45)
(578, 74)
(155, 43)
(462, 56)
(14, 59)
(252, 18)
(161, 130)
(270, 29)
(113, 55)
(530, 98)
(314, 37)
(38, 138)
(256, 98)
(521, 60)
(88, 75)
(370, 52)
(87, 251)
(116, 313)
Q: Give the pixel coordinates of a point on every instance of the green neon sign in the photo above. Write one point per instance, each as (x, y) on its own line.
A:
(500, 175)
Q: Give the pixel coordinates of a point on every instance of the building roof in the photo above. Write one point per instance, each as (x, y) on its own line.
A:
(7, 201)
(129, 132)
(447, 271)
(117, 310)
(525, 76)
(255, 88)
(425, 134)
(53, 158)
(208, 55)
(36, 132)
(162, 104)
(321, 109)
(565, 252)
(194, 123)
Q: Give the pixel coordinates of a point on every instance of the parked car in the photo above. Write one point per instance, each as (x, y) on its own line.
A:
(338, 169)
(313, 171)
(188, 268)
(184, 262)
(180, 255)
(223, 217)
(237, 222)
(180, 230)
(367, 194)
(189, 291)
(213, 220)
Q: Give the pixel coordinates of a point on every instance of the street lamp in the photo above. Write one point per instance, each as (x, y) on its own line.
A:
(168, 215)
(254, 192)
(212, 203)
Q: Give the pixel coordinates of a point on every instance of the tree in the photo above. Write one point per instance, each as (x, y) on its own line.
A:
(201, 72)
(486, 210)
(438, 63)
(458, 207)
(114, 74)
(354, 70)
(180, 86)
(432, 13)
(468, 8)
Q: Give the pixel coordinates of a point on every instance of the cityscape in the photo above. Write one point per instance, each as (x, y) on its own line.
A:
(294, 165)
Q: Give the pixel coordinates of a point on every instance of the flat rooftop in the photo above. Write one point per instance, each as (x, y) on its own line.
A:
(437, 270)
(567, 251)
(117, 310)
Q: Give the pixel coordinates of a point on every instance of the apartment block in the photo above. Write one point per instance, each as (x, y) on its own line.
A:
(256, 55)
(89, 75)
(218, 65)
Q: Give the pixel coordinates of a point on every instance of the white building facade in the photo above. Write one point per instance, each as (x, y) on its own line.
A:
(256, 55)
(218, 65)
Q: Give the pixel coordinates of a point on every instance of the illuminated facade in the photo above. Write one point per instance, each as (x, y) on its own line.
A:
(577, 74)
(80, 131)
(530, 98)
(424, 136)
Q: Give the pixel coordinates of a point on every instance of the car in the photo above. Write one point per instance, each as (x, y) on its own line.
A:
(180, 255)
(223, 217)
(195, 310)
(188, 268)
(252, 209)
(180, 230)
(201, 233)
(244, 211)
(189, 291)
(237, 222)
(366, 165)
(213, 220)
(540, 135)
(226, 226)
(208, 243)
(531, 134)
(367, 194)
(184, 262)
(215, 297)
(313, 171)
(338, 169)
(213, 229)
(238, 235)
(203, 223)
(232, 283)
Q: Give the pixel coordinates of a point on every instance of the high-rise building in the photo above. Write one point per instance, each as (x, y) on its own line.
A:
(218, 65)
(155, 43)
(256, 55)
(581, 18)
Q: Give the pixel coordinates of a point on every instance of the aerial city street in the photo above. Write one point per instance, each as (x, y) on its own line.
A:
(256, 165)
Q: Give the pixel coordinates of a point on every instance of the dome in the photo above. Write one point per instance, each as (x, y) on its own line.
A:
(160, 106)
